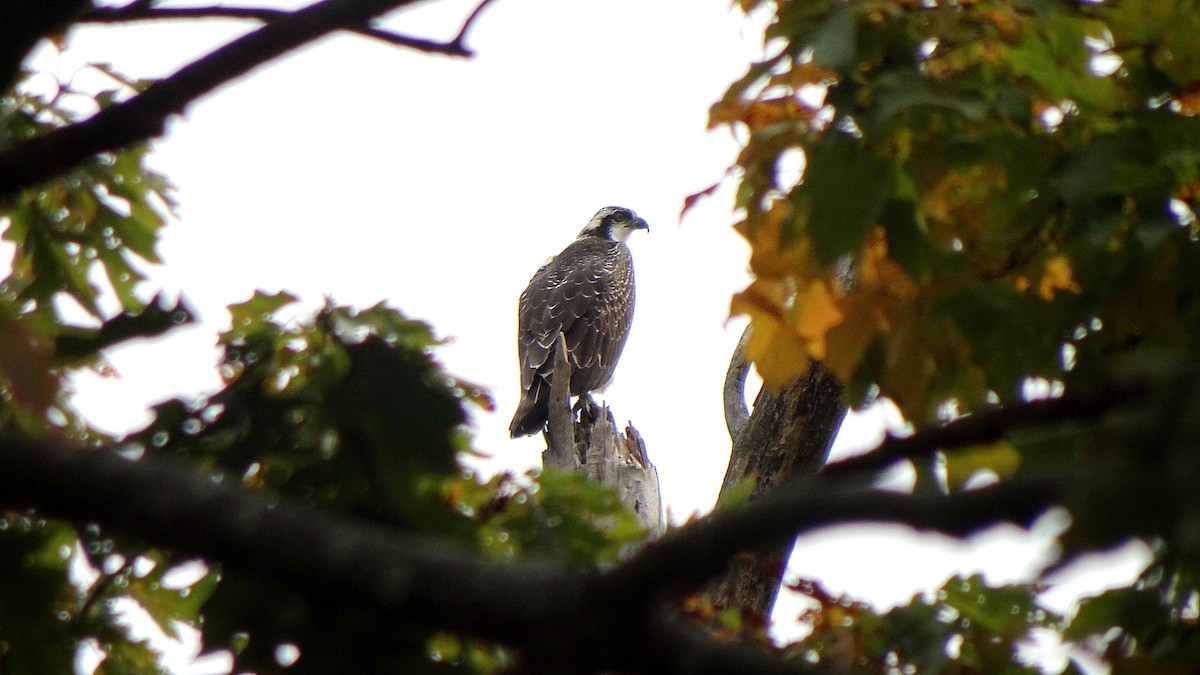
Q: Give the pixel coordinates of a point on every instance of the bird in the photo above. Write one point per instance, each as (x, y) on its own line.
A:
(586, 293)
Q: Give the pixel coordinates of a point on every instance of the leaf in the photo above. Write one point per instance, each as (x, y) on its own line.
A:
(736, 495)
(1000, 458)
(25, 368)
(816, 312)
(245, 316)
(1057, 276)
(907, 241)
(157, 318)
(847, 186)
(775, 349)
(691, 200)
(835, 43)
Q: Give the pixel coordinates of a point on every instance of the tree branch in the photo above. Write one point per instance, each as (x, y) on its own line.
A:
(134, 12)
(789, 434)
(27, 21)
(987, 427)
(617, 618)
(144, 116)
(683, 559)
(427, 582)
(734, 391)
(561, 452)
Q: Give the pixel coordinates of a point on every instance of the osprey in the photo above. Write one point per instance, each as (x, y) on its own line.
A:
(585, 293)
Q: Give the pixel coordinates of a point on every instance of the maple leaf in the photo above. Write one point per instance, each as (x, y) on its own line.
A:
(816, 311)
(1057, 277)
(777, 351)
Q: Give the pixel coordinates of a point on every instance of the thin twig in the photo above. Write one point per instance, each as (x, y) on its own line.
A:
(455, 47)
(144, 116)
(460, 39)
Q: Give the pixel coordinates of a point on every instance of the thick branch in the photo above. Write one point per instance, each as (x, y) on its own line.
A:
(617, 616)
(789, 434)
(144, 116)
(427, 582)
(130, 13)
(404, 575)
(683, 559)
(988, 427)
(24, 23)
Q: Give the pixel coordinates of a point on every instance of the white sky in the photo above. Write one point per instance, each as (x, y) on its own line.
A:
(367, 172)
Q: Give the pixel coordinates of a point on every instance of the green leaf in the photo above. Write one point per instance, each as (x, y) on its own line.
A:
(847, 186)
(1001, 458)
(907, 241)
(157, 318)
(835, 44)
(737, 495)
(247, 316)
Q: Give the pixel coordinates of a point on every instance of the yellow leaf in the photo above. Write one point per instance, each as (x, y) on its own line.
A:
(909, 367)
(775, 349)
(848, 340)
(769, 256)
(1001, 458)
(961, 198)
(815, 313)
(879, 273)
(1057, 277)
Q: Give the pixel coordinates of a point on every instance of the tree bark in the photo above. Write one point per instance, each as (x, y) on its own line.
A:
(788, 434)
(586, 439)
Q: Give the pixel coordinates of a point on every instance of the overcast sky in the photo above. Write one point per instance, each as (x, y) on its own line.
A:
(367, 172)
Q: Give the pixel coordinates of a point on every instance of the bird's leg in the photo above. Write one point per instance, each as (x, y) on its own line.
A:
(585, 406)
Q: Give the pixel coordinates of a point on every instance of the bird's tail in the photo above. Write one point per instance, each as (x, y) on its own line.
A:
(533, 410)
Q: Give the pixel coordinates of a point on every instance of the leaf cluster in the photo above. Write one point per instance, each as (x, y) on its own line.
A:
(963, 206)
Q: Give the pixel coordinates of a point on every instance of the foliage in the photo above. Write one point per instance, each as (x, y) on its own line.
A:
(347, 411)
(946, 202)
(950, 202)
(965, 626)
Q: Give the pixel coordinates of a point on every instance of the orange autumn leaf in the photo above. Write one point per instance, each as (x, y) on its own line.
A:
(759, 114)
(1189, 103)
(1057, 277)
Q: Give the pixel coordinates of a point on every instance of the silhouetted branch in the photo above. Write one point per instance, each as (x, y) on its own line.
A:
(683, 559)
(618, 617)
(27, 21)
(987, 427)
(145, 12)
(425, 581)
(144, 116)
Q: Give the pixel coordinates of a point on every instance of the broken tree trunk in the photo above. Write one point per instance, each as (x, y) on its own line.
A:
(788, 433)
(586, 439)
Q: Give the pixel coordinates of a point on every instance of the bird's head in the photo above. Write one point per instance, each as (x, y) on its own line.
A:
(615, 223)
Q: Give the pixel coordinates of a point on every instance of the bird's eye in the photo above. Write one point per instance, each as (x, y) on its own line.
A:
(620, 216)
